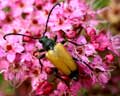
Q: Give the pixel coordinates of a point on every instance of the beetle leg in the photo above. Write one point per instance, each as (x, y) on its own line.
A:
(75, 43)
(41, 50)
(55, 39)
(65, 81)
(66, 40)
(40, 57)
(87, 65)
(75, 59)
(63, 42)
(83, 63)
(40, 64)
(57, 75)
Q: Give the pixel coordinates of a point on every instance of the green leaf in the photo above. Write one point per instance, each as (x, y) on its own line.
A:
(1, 78)
(90, 59)
(100, 3)
(61, 0)
(103, 26)
(82, 92)
(9, 89)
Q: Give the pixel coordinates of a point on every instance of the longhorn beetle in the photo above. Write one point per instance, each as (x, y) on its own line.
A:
(55, 52)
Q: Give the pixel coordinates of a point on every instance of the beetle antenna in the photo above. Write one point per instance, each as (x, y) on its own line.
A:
(49, 17)
(4, 37)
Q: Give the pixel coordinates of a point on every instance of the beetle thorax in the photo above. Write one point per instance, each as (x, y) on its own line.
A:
(48, 44)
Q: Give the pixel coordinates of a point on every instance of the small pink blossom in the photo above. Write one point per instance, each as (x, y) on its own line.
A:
(12, 50)
(109, 57)
(81, 40)
(3, 65)
(2, 15)
(91, 32)
(89, 50)
(70, 34)
(2, 52)
(75, 87)
(101, 40)
(44, 88)
(103, 77)
(115, 40)
(11, 56)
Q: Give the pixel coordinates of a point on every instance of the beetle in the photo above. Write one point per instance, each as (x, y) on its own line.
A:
(56, 53)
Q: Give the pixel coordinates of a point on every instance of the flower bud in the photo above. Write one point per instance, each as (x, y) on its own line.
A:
(109, 57)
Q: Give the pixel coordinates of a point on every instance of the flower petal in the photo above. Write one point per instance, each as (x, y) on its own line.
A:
(11, 56)
(3, 65)
(18, 48)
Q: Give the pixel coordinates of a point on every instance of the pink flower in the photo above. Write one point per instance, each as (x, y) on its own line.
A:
(4, 65)
(109, 57)
(44, 88)
(2, 52)
(73, 20)
(70, 34)
(89, 50)
(2, 15)
(75, 87)
(30, 46)
(91, 32)
(103, 78)
(102, 40)
(115, 40)
(81, 40)
(12, 50)
(62, 89)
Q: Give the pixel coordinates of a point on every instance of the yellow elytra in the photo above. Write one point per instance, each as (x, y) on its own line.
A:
(61, 59)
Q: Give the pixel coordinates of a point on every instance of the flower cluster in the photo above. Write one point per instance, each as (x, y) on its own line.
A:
(75, 21)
